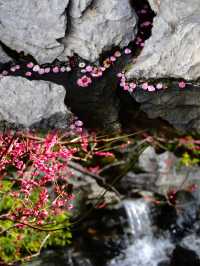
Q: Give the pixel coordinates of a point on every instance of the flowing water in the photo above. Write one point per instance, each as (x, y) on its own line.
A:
(146, 245)
(146, 249)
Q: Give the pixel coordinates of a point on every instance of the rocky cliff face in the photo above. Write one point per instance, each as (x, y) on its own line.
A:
(97, 26)
(51, 29)
(173, 49)
(89, 32)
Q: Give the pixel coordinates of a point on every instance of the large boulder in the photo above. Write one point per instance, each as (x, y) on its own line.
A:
(34, 27)
(166, 173)
(27, 104)
(97, 26)
(181, 108)
(51, 29)
(173, 49)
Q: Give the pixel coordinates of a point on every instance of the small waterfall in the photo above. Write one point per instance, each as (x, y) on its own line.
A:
(138, 217)
(146, 249)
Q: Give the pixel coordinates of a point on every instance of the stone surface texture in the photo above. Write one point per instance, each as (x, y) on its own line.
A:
(181, 108)
(51, 29)
(168, 173)
(34, 27)
(4, 58)
(99, 25)
(86, 188)
(27, 103)
(173, 50)
(78, 7)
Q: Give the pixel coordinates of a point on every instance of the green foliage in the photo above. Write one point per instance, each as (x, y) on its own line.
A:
(188, 160)
(18, 243)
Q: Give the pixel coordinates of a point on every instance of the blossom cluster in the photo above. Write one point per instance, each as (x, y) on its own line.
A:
(41, 175)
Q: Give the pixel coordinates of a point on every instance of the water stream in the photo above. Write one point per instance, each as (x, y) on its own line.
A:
(146, 249)
(146, 244)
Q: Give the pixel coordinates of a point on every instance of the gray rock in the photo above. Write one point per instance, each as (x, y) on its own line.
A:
(41, 28)
(87, 189)
(34, 27)
(172, 174)
(169, 174)
(147, 160)
(101, 26)
(4, 58)
(78, 7)
(173, 49)
(179, 108)
(28, 104)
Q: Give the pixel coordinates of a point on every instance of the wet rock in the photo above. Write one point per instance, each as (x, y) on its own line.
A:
(139, 181)
(181, 108)
(187, 210)
(104, 231)
(101, 26)
(170, 52)
(60, 257)
(184, 257)
(34, 27)
(32, 104)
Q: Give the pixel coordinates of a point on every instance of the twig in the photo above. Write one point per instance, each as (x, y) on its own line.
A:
(39, 251)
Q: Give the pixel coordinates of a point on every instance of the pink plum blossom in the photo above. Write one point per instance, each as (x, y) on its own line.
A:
(103, 69)
(145, 86)
(151, 88)
(62, 69)
(13, 69)
(78, 123)
(5, 73)
(68, 69)
(89, 68)
(84, 81)
(181, 84)
(117, 54)
(28, 74)
(96, 72)
(30, 65)
(36, 68)
(126, 87)
(159, 86)
(113, 58)
(41, 71)
(47, 70)
(56, 69)
(119, 75)
(127, 51)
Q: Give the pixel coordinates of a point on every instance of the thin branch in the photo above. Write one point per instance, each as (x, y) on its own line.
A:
(40, 249)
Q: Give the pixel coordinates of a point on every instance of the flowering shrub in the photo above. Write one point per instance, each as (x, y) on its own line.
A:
(35, 168)
(35, 190)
